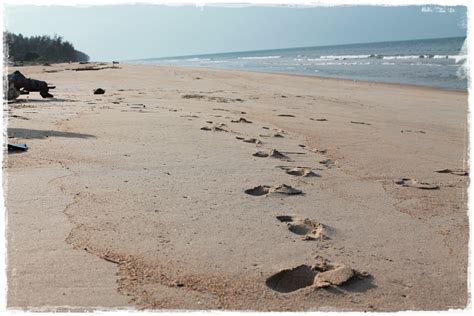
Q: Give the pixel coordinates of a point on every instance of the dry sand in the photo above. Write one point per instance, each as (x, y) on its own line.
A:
(149, 196)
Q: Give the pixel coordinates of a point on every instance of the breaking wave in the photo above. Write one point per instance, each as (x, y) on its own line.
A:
(259, 57)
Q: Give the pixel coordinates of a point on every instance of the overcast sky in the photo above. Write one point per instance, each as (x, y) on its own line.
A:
(145, 31)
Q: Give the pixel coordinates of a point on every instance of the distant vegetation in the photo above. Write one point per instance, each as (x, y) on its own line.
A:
(41, 49)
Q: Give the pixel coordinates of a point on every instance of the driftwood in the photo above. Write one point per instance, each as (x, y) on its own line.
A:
(19, 84)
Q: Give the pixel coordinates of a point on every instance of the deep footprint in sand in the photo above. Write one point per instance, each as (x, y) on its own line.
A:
(406, 182)
(249, 140)
(259, 190)
(273, 153)
(278, 155)
(305, 227)
(290, 280)
(261, 154)
(215, 128)
(302, 172)
(286, 115)
(457, 172)
(277, 189)
(316, 276)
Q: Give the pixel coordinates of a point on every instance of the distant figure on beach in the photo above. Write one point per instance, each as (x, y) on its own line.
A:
(19, 84)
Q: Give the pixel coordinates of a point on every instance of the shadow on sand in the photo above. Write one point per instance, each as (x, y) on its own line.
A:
(40, 100)
(41, 134)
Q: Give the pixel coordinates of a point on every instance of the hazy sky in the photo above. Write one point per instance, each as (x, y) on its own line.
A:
(144, 31)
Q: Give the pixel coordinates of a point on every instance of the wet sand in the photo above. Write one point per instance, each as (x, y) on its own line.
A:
(209, 189)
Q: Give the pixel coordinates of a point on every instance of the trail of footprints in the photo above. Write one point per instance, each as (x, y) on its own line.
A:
(319, 275)
(305, 227)
(323, 273)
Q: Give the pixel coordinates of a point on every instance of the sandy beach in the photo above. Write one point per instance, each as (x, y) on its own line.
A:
(185, 188)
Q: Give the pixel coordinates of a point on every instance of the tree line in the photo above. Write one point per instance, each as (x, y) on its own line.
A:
(41, 49)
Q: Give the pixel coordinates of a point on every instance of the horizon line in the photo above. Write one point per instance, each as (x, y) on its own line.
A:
(284, 48)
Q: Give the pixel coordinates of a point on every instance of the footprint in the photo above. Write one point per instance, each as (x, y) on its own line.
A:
(193, 96)
(318, 151)
(286, 115)
(309, 229)
(219, 109)
(215, 128)
(329, 163)
(410, 131)
(319, 119)
(273, 153)
(290, 280)
(278, 155)
(259, 190)
(261, 154)
(190, 116)
(241, 120)
(276, 135)
(267, 190)
(405, 182)
(458, 172)
(317, 276)
(302, 172)
(250, 140)
(360, 123)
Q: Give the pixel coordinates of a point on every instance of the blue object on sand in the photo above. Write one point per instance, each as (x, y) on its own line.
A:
(17, 147)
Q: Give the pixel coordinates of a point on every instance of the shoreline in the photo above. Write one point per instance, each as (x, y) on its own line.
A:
(405, 85)
(153, 195)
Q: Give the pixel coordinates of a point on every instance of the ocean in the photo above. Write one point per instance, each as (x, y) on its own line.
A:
(439, 63)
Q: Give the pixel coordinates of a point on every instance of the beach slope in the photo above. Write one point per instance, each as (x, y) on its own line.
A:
(186, 188)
